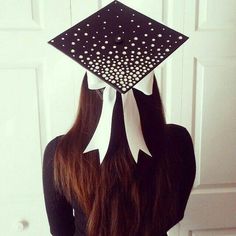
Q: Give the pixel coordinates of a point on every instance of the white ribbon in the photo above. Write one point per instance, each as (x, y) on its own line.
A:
(101, 136)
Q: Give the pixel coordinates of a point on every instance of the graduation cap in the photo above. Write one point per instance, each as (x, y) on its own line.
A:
(122, 47)
(119, 45)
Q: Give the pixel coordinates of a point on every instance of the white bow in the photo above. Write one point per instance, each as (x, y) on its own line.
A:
(101, 136)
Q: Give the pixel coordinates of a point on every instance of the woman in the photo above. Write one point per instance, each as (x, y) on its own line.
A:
(119, 197)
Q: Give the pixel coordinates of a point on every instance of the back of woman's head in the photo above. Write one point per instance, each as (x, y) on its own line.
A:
(119, 197)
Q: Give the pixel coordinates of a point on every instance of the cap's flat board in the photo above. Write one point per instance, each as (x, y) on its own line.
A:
(119, 45)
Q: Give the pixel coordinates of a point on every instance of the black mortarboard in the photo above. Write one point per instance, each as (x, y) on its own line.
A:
(119, 45)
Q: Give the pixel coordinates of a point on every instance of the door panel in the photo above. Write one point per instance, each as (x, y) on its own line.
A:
(208, 111)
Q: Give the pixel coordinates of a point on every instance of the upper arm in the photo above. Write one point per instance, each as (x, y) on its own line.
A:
(59, 210)
(188, 170)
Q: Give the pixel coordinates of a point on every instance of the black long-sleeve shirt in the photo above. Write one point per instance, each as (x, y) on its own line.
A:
(67, 219)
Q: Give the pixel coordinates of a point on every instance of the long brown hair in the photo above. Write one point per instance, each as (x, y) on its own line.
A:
(119, 197)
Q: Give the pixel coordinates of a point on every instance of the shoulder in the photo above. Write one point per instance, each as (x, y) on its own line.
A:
(52, 144)
(181, 142)
(50, 149)
(179, 139)
(174, 129)
(178, 134)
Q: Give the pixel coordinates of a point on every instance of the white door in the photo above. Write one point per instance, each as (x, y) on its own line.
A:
(31, 100)
(209, 112)
(39, 95)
